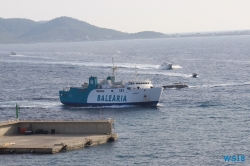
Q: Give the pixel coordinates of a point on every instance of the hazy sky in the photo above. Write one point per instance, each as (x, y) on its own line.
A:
(166, 16)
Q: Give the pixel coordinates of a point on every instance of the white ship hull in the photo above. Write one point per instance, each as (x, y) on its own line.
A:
(125, 96)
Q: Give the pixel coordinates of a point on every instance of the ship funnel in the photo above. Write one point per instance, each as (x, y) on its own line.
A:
(93, 82)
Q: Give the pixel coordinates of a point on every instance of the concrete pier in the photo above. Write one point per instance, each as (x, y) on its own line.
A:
(53, 136)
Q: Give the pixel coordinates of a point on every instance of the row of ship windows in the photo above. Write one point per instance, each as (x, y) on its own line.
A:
(139, 83)
(120, 90)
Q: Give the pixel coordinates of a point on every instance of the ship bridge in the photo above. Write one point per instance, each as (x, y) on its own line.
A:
(139, 84)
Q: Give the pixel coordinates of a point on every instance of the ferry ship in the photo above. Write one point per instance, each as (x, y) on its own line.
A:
(109, 92)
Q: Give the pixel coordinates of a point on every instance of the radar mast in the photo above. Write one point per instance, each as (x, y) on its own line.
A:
(114, 68)
(136, 75)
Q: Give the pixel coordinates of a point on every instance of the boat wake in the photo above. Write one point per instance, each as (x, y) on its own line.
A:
(229, 84)
(19, 55)
(221, 85)
(105, 107)
(34, 55)
(129, 66)
(45, 60)
(29, 104)
(176, 67)
(208, 104)
(165, 73)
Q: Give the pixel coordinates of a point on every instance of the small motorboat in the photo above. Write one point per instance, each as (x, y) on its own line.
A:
(194, 75)
(12, 53)
(176, 85)
(165, 66)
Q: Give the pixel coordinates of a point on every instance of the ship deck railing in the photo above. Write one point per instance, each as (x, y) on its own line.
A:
(66, 88)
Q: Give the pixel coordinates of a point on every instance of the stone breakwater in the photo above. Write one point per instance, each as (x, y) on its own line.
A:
(53, 136)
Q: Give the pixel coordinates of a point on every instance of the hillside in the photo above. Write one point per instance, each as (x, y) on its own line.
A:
(62, 29)
(10, 29)
(66, 29)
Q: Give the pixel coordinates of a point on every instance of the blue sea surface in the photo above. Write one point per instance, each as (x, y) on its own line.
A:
(198, 125)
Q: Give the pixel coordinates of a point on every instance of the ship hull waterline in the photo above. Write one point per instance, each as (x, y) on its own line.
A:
(143, 104)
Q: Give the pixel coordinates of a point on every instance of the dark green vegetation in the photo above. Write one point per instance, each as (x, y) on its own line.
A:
(62, 29)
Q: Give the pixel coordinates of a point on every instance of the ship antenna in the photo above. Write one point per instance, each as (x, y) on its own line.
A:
(136, 75)
(114, 68)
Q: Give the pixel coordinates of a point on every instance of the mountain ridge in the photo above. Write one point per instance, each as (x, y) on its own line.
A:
(67, 29)
(61, 29)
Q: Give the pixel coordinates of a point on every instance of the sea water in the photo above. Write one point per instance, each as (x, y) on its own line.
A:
(198, 125)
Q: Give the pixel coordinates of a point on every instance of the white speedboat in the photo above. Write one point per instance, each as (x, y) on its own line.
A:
(12, 53)
(165, 66)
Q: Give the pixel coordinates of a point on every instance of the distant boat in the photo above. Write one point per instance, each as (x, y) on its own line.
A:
(176, 85)
(166, 66)
(12, 53)
(194, 75)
